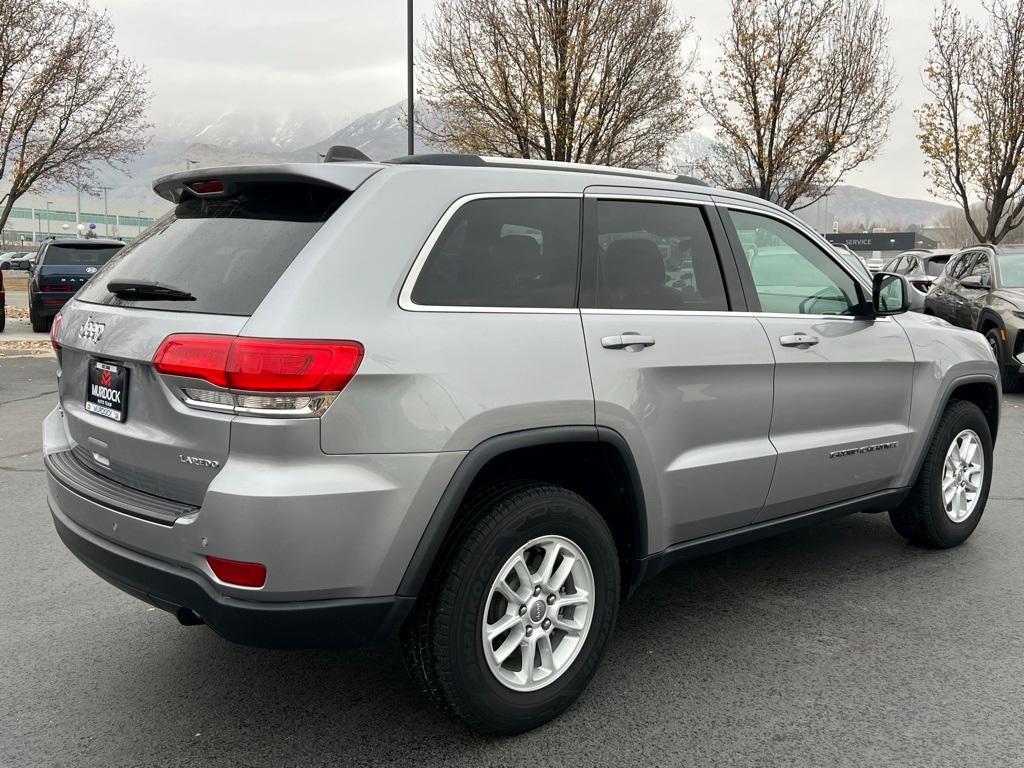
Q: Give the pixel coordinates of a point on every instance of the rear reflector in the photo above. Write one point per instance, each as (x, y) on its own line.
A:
(238, 573)
(260, 365)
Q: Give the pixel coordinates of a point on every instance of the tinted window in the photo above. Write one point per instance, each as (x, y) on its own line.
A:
(504, 252)
(226, 251)
(935, 265)
(656, 256)
(79, 255)
(791, 274)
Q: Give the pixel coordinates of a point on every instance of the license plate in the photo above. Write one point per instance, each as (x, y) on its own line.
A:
(108, 390)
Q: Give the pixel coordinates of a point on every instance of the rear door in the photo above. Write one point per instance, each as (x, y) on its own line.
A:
(225, 252)
(842, 379)
(947, 294)
(683, 378)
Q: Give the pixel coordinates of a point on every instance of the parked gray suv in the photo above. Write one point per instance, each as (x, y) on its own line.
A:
(477, 402)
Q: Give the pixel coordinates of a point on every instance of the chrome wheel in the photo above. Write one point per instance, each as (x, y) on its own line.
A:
(538, 613)
(963, 473)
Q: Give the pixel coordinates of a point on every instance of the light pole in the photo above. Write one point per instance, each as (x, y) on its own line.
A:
(106, 220)
(140, 221)
(408, 42)
(48, 204)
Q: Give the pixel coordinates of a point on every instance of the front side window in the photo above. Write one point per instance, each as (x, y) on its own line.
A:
(1011, 269)
(656, 256)
(791, 274)
(982, 269)
(504, 252)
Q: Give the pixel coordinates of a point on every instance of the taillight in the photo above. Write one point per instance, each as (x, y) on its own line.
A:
(311, 372)
(58, 322)
(58, 288)
(238, 573)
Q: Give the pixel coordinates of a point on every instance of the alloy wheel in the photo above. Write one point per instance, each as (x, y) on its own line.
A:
(538, 613)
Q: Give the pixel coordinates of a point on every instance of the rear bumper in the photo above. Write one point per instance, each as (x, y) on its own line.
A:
(47, 304)
(305, 624)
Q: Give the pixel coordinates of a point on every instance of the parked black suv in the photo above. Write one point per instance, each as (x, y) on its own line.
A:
(61, 268)
(982, 288)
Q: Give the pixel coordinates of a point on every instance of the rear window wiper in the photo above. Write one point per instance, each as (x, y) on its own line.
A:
(147, 290)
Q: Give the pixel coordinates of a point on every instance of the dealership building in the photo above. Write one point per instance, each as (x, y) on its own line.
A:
(884, 243)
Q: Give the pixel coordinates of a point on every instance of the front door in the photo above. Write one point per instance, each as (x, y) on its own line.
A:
(686, 381)
(842, 379)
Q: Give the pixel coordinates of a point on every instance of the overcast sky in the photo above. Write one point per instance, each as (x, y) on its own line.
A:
(341, 58)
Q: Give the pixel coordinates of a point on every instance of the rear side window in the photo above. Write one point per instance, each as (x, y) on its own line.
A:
(656, 256)
(226, 251)
(504, 252)
(934, 266)
(79, 255)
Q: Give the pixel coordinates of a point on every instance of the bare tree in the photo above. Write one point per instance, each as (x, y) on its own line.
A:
(804, 95)
(972, 131)
(587, 81)
(68, 99)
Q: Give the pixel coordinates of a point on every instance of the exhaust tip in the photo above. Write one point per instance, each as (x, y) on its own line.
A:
(187, 617)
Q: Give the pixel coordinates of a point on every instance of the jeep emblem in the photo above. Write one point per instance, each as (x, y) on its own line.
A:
(91, 330)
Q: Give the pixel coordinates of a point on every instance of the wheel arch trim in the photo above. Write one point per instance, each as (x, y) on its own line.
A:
(446, 511)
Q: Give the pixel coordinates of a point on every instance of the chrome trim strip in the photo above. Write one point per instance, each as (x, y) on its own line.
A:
(728, 313)
(405, 295)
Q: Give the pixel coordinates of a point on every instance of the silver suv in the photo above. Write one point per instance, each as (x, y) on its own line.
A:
(477, 402)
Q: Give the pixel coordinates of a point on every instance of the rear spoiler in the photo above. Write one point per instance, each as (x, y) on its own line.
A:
(347, 176)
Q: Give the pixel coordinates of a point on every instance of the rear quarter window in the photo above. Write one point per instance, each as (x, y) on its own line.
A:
(504, 252)
(226, 251)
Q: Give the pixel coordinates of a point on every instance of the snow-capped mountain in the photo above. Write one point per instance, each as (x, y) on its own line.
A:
(248, 130)
(380, 135)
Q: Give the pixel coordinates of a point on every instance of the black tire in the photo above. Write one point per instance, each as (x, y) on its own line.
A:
(3, 317)
(1008, 373)
(922, 518)
(39, 324)
(443, 640)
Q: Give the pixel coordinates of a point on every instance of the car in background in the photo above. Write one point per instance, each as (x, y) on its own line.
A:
(873, 262)
(61, 268)
(17, 259)
(921, 267)
(982, 288)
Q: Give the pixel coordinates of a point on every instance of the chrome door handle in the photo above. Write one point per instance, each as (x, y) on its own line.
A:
(798, 340)
(629, 341)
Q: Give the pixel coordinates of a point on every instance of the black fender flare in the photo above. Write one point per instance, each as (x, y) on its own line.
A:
(436, 532)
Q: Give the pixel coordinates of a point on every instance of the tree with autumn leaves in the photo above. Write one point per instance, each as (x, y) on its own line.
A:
(972, 129)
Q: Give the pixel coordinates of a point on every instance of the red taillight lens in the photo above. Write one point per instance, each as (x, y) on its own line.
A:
(59, 288)
(199, 357)
(58, 321)
(261, 365)
(237, 572)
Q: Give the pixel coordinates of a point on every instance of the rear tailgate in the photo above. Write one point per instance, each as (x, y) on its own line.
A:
(224, 252)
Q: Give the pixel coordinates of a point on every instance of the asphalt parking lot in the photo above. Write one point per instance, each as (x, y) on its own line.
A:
(840, 645)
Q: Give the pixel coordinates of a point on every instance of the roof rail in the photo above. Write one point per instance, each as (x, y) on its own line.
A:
(541, 165)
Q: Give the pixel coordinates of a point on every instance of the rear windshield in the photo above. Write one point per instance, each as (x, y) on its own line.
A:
(79, 255)
(935, 265)
(226, 251)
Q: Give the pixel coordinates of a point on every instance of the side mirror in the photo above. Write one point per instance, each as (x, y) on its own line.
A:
(977, 282)
(890, 294)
